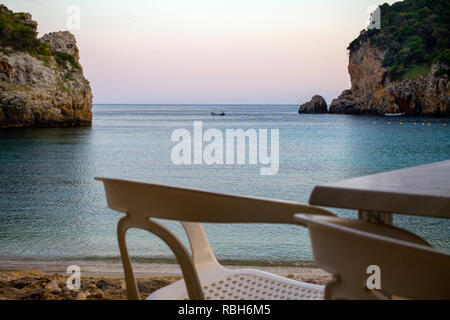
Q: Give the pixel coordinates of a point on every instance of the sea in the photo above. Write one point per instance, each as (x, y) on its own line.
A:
(51, 208)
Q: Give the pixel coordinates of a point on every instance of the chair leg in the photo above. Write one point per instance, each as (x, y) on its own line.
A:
(132, 290)
(190, 275)
(184, 258)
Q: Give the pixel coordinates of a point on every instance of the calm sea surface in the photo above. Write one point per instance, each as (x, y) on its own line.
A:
(51, 207)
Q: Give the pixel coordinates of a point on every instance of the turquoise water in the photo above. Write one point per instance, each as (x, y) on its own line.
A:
(51, 207)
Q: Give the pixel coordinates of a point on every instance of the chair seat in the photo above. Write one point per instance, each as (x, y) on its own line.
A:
(245, 284)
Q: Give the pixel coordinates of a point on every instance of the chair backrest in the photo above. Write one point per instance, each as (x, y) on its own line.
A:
(407, 269)
(150, 200)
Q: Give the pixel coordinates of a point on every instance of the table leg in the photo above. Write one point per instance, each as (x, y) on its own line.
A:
(375, 217)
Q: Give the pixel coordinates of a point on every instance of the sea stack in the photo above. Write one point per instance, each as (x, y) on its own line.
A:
(41, 80)
(316, 105)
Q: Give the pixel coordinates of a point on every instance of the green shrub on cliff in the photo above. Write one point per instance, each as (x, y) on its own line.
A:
(414, 33)
(18, 33)
(62, 59)
(444, 57)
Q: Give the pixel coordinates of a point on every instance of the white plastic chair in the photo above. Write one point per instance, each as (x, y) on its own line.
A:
(409, 267)
(204, 277)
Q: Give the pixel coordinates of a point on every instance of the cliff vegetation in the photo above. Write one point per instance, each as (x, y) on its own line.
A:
(415, 34)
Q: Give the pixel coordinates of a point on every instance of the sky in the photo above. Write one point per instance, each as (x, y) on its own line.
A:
(208, 51)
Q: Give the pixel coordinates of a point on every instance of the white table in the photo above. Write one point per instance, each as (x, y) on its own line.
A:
(422, 191)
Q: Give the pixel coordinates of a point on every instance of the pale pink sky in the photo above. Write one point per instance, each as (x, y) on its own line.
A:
(209, 51)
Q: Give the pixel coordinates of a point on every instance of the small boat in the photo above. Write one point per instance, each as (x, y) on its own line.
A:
(216, 114)
(395, 114)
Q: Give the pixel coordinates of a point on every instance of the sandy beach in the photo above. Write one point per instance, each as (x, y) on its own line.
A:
(103, 280)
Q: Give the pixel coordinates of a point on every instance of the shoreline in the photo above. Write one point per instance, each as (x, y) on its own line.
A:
(104, 280)
(113, 268)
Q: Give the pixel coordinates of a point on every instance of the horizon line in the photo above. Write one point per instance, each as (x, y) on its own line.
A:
(199, 104)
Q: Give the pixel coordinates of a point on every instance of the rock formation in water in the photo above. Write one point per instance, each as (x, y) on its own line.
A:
(41, 80)
(316, 105)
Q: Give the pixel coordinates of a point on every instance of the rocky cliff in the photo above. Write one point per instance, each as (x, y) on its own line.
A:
(41, 80)
(403, 67)
(373, 92)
